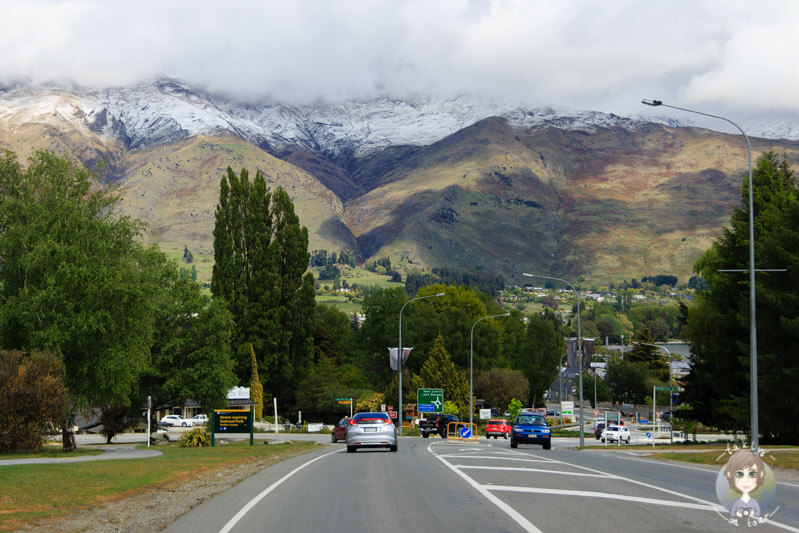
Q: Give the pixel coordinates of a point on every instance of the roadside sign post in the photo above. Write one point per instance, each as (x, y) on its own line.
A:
(344, 401)
(232, 421)
(430, 400)
(654, 415)
(671, 413)
(149, 408)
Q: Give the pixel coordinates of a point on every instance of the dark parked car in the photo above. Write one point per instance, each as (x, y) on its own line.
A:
(340, 430)
(598, 429)
(531, 429)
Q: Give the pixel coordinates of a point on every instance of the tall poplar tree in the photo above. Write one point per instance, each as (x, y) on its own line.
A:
(718, 324)
(261, 261)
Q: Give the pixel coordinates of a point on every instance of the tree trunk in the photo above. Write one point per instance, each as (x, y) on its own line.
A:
(68, 434)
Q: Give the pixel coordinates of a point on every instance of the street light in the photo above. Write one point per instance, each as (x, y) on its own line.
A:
(471, 364)
(579, 346)
(752, 323)
(671, 384)
(399, 355)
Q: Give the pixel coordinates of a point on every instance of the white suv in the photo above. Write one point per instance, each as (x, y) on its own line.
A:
(616, 434)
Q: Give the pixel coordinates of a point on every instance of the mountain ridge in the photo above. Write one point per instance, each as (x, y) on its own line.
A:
(458, 183)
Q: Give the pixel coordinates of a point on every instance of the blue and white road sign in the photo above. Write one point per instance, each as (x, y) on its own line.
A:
(465, 432)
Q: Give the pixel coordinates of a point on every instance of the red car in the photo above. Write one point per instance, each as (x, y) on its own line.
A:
(340, 430)
(497, 428)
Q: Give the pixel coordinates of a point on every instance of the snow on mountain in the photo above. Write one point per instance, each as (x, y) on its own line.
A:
(167, 111)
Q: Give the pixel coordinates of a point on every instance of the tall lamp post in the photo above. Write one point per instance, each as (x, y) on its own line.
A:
(399, 355)
(579, 346)
(752, 322)
(671, 384)
(471, 365)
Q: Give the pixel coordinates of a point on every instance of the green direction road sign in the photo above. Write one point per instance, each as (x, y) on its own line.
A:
(672, 389)
(430, 400)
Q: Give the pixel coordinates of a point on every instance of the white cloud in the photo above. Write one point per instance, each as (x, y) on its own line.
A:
(734, 55)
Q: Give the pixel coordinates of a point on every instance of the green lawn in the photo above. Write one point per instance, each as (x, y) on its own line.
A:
(29, 493)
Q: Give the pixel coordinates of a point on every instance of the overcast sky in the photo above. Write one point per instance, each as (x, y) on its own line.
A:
(737, 57)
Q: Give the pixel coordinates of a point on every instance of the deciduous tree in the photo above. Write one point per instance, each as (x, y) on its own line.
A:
(74, 279)
(261, 257)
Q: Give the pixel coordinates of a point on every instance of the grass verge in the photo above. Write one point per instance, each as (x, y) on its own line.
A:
(774, 457)
(34, 492)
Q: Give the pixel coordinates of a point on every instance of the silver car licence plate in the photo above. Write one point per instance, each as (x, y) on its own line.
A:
(367, 430)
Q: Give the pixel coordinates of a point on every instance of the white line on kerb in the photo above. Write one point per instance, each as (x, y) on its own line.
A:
(252, 503)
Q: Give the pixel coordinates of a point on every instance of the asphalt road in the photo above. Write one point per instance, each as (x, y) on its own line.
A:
(438, 485)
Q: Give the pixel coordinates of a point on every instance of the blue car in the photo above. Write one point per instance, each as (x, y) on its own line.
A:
(531, 429)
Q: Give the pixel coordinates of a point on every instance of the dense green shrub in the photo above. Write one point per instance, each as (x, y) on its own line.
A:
(195, 438)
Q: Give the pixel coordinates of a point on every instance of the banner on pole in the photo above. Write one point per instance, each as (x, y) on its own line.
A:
(571, 351)
(392, 357)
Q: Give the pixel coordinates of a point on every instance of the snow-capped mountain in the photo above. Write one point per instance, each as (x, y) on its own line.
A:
(432, 182)
(165, 111)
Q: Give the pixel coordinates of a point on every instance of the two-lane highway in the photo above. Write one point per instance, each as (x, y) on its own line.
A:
(438, 485)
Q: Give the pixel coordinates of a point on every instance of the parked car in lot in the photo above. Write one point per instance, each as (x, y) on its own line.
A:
(175, 420)
(340, 430)
(199, 419)
(598, 429)
(616, 434)
(531, 429)
(497, 428)
(371, 430)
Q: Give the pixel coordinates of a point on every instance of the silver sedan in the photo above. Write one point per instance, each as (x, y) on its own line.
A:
(371, 430)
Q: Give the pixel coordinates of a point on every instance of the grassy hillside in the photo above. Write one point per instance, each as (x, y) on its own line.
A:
(609, 204)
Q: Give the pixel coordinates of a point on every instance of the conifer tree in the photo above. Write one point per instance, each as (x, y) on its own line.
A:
(718, 324)
(439, 372)
(256, 388)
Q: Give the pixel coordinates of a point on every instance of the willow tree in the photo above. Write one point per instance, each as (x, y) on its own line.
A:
(261, 261)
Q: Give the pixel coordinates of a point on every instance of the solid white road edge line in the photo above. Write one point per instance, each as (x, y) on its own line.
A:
(252, 503)
(507, 509)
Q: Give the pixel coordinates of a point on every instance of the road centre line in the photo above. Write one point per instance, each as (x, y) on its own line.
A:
(252, 503)
(507, 509)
